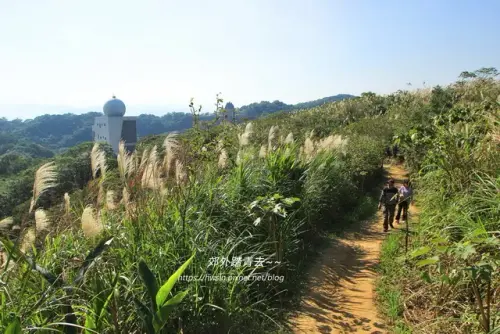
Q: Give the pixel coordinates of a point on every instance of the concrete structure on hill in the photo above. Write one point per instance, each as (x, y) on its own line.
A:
(113, 126)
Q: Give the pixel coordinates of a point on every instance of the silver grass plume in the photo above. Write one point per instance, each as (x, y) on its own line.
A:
(170, 145)
(223, 159)
(289, 138)
(125, 161)
(150, 176)
(180, 173)
(42, 223)
(244, 138)
(98, 161)
(6, 223)
(28, 240)
(67, 203)
(125, 197)
(90, 226)
(309, 148)
(45, 178)
(273, 133)
(263, 151)
(144, 159)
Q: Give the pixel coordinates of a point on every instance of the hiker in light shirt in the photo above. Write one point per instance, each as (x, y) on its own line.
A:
(405, 197)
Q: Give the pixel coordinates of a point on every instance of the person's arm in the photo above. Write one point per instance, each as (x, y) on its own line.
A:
(381, 199)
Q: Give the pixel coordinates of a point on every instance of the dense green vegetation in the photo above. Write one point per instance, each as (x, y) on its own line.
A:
(447, 281)
(221, 196)
(246, 193)
(25, 145)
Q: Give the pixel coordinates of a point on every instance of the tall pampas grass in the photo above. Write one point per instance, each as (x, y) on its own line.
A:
(42, 223)
(308, 148)
(28, 240)
(125, 160)
(67, 203)
(151, 174)
(333, 142)
(91, 227)
(144, 160)
(289, 138)
(249, 128)
(180, 173)
(125, 197)
(273, 134)
(45, 178)
(170, 145)
(98, 161)
(6, 223)
(263, 151)
(223, 159)
(244, 138)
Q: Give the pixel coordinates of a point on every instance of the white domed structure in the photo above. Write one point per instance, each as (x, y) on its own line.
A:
(113, 127)
(114, 108)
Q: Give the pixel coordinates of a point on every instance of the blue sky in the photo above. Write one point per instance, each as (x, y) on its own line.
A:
(72, 56)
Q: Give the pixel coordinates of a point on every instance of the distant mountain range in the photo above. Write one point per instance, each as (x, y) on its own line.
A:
(54, 133)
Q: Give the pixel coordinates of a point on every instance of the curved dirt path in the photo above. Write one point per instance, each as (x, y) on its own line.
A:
(341, 298)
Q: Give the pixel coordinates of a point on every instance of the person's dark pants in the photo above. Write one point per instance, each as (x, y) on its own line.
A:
(389, 215)
(403, 206)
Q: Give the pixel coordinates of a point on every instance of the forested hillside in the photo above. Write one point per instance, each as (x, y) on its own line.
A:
(59, 132)
(126, 253)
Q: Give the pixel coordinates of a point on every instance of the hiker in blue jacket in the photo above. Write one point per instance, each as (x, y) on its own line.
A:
(389, 199)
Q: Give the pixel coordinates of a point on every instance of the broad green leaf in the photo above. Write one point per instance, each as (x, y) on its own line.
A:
(177, 298)
(149, 281)
(420, 251)
(163, 312)
(478, 231)
(291, 200)
(89, 323)
(439, 240)
(442, 249)
(430, 260)
(14, 327)
(162, 294)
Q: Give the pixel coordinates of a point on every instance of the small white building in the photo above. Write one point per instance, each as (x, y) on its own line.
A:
(113, 126)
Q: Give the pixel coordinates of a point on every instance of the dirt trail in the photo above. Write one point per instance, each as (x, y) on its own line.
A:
(341, 298)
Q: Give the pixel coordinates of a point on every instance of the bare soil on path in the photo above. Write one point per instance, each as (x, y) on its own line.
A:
(341, 296)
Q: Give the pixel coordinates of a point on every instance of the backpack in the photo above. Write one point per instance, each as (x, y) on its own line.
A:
(391, 196)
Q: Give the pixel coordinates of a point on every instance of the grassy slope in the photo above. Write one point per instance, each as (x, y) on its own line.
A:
(214, 206)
